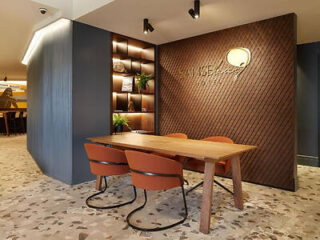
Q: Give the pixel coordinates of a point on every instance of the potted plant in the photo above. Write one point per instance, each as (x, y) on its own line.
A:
(120, 121)
(143, 80)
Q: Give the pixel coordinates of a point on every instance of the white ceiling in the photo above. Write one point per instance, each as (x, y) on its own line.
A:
(73, 9)
(20, 18)
(17, 20)
(171, 20)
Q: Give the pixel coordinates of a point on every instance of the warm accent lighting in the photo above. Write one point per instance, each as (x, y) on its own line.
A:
(130, 47)
(135, 48)
(117, 76)
(195, 12)
(147, 26)
(38, 35)
(239, 57)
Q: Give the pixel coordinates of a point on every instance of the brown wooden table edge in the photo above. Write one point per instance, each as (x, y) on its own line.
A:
(196, 156)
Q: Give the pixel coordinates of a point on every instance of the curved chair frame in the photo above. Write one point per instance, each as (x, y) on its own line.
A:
(201, 183)
(146, 199)
(106, 186)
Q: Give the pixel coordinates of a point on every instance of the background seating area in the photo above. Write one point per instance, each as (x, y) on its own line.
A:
(16, 122)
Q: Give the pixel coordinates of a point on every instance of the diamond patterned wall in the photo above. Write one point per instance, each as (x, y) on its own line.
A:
(258, 108)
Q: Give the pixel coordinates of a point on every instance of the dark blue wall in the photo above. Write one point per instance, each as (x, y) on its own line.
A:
(91, 92)
(68, 99)
(49, 136)
(308, 73)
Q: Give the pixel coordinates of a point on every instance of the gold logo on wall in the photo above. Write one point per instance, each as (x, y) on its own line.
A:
(235, 62)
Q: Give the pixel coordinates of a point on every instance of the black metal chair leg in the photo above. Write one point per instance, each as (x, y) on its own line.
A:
(186, 181)
(109, 207)
(194, 187)
(201, 183)
(225, 188)
(157, 228)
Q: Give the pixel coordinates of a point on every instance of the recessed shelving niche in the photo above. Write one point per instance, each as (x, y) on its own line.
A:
(134, 57)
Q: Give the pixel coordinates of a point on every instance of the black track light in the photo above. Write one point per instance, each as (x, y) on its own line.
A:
(147, 26)
(195, 13)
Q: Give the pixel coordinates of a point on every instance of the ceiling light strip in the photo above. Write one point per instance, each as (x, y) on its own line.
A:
(38, 35)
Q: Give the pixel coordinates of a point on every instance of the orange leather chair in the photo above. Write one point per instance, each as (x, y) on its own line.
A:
(174, 157)
(106, 161)
(152, 172)
(221, 167)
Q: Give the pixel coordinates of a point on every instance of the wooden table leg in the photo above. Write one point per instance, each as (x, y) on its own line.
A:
(99, 183)
(237, 184)
(207, 197)
(6, 123)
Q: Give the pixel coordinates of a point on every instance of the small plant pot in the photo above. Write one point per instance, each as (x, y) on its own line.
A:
(118, 129)
(143, 88)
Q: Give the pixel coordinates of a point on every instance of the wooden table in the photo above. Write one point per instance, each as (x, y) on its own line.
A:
(209, 152)
(5, 112)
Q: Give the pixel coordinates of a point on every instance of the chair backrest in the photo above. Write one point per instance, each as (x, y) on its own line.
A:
(17, 114)
(223, 140)
(177, 135)
(150, 163)
(106, 161)
(218, 139)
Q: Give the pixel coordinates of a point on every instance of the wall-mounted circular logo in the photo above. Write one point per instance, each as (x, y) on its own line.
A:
(239, 57)
(233, 63)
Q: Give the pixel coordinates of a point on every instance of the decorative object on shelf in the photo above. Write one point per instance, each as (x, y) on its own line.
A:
(118, 123)
(141, 131)
(143, 109)
(118, 67)
(121, 102)
(127, 84)
(143, 80)
(131, 106)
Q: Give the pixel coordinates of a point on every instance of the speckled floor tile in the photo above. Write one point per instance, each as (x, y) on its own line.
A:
(34, 206)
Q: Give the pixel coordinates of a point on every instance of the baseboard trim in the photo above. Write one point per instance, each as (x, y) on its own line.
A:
(308, 160)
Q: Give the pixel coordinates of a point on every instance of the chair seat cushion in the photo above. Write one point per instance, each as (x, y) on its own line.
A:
(198, 166)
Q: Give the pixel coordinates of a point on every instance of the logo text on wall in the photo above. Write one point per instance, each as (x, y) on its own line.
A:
(235, 62)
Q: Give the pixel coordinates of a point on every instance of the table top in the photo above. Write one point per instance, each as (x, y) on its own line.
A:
(202, 150)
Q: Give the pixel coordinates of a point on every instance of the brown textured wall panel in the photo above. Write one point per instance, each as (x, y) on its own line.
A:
(258, 108)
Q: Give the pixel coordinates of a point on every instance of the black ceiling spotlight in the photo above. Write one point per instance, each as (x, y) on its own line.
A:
(147, 26)
(195, 13)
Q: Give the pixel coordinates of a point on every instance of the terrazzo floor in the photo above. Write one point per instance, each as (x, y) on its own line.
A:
(34, 206)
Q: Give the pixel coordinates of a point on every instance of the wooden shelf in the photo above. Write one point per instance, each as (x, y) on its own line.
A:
(115, 111)
(141, 93)
(124, 74)
(123, 56)
(137, 57)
